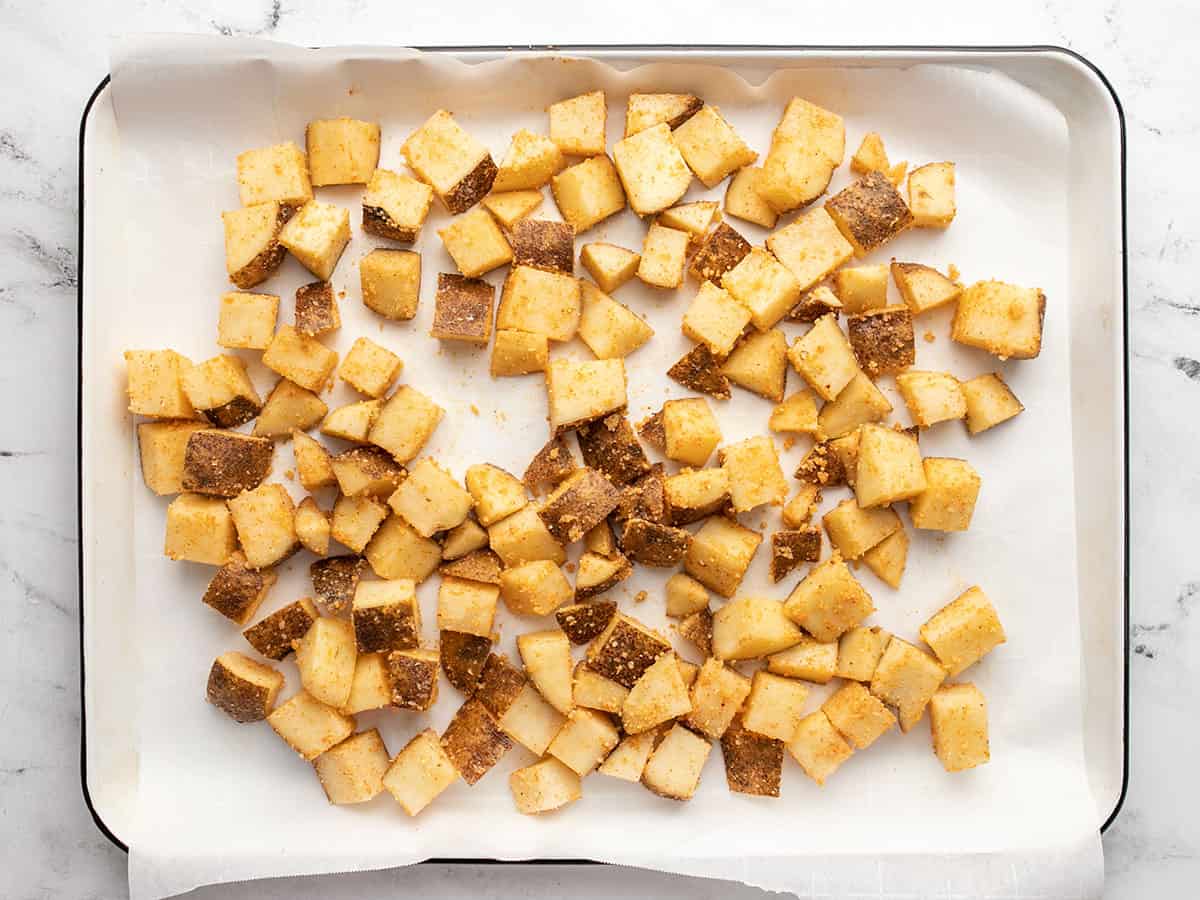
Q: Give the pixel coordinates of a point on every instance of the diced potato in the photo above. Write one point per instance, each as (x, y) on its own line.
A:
(889, 467)
(397, 550)
(458, 168)
(601, 541)
(888, 558)
(466, 606)
(964, 631)
(664, 254)
(545, 786)
(931, 195)
(1003, 319)
(155, 384)
(829, 601)
(609, 328)
(628, 760)
(353, 421)
(948, 501)
(719, 253)
(335, 580)
(496, 493)
(870, 155)
(371, 687)
(811, 247)
(242, 688)
(743, 200)
(759, 364)
(265, 519)
(523, 537)
(691, 430)
(395, 206)
(989, 402)
(312, 527)
(958, 723)
(476, 243)
(795, 415)
(531, 721)
(883, 340)
(482, 566)
(720, 554)
(753, 762)
(611, 266)
(810, 660)
(594, 691)
(818, 747)
(625, 650)
(463, 657)
(247, 321)
(799, 510)
(685, 596)
(386, 615)
(519, 353)
(342, 151)
(278, 172)
(814, 304)
(463, 309)
(313, 466)
(534, 588)
(588, 192)
(922, 287)
(225, 463)
(317, 309)
(610, 447)
(773, 706)
(473, 741)
(253, 251)
(413, 676)
(854, 530)
(793, 547)
(500, 684)
(858, 715)
(512, 206)
(391, 282)
(652, 170)
(309, 726)
(543, 244)
(696, 218)
(355, 520)
(869, 212)
(710, 146)
(316, 235)
(716, 696)
(540, 302)
(824, 358)
(352, 771)
(906, 679)
(420, 772)
(647, 110)
(162, 447)
(764, 286)
(369, 368)
(547, 658)
(531, 161)
(367, 470)
(325, 657)
(673, 770)
(858, 652)
(750, 627)
(580, 392)
(289, 407)
(301, 359)
(755, 476)
(405, 422)
(657, 697)
(584, 741)
(807, 145)
(932, 397)
(699, 370)
(577, 124)
(861, 288)
(654, 544)
(581, 502)
(431, 499)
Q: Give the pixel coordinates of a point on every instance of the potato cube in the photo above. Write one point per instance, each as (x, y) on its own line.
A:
(870, 155)
(500, 685)
(858, 403)
(753, 762)
(883, 340)
(773, 705)
(431, 499)
(664, 253)
(931, 195)
(593, 691)
(534, 588)
(810, 247)
(685, 596)
(715, 319)
(496, 493)
(316, 309)
(288, 408)
(697, 629)
(512, 206)
(829, 601)
(923, 288)
(858, 715)
(755, 477)
(481, 565)
(220, 390)
(386, 615)
(647, 110)
(531, 161)
(316, 235)
(313, 465)
(352, 771)
(814, 304)
(691, 430)
(413, 677)
(818, 747)
(1003, 319)
(278, 173)
(743, 200)
(577, 125)
(353, 421)
(906, 679)
(699, 370)
(473, 741)
(628, 760)
(673, 770)
(810, 660)
(547, 658)
(312, 527)
(397, 550)
(861, 288)
(958, 723)
(949, 498)
(716, 696)
(519, 353)
(531, 721)
(335, 580)
(522, 537)
(611, 266)
(541, 302)
(253, 249)
(795, 415)
(853, 530)
(764, 286)
(301, 359)
(588, 192)
(405, 422)
(720, 554)
(710, 146)
(544, 786)
(369, 368)
(858, 653)
(355, 520)
(989, 402)
(610, 446)
(156, 384)
(609, 328)
(721, 251)
(964, 631)
(466, 606)
(265, 522)
(869, 213)
(325, 657)
(696, 218)
(274, 636)
(247, 321)
(824, 358)
(581, 622)
(342, 151)
(932, 397)
(625, 650)
(791, 548)
(799, 510)
(824, 466)
(578, 504)
(759, 364)
(652, 170)
(420, 772)
(162, 447)
(651, 431)
(750, 627)
(458, 168)
(654, 544)
(395, 206)
(580, 392)
(309, 726)
(807, 145)
(601, 540)
(241, 688)
(391, 282)
(543, 244)
(463, 657)
(889, 467)
(888, 558)
(475, 243)
(584, 741)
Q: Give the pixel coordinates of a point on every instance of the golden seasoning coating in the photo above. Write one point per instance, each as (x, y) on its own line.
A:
(753, 763)
(869, 212)
(335, 580)
(579, 504)
(367, 470)
(543, 244)
(463, 657)
(252, 248)
(225, 463)
(790, 548)
(473, 741)
(699, 370)
(695, 494)
(275, 635)
(723, 249)
(625, 650)
(814, 304)
(237, 590)
(821, 466)
(316, 309)
(652, 432)
(480, 565)
(653, 544)
(243, 689)
(645, 498)
(883, 340)
(581, 622)
(698, 628)
(394, 206)
(413, 675)
(463, 309)
(609, 446)
(550, 466)
(597, 574)
(499, 684)
(387, 617)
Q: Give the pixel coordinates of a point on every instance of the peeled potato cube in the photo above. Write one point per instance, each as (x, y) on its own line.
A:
(652, 170)
(301, 359)
(647, 110)
(824, 358)
(420, 772)
(265, 519)
(673, 770)
(750, 627)
(316, 235)
(276, 173)
(964, 631)
(247, 321)
(155, 384)
(948, 501)
(829, 601)
(352, 771)
(858, 715)
(931, 195)
(818, 747)
(543, 787)
(958, 724)
(906, 679)
(309, 726)
(1003, 319)
(611, 266)
(989, 402)
(584, 741)
(588, 192)
(391, 282)
(162, 447)
(716, 696)
(579, 392)
(889, 467)
(326, 658)
(577, 124)
(811, 247)
(710, 146)
(531, 161)
(476, 243)
(342, 151)
(200, 529)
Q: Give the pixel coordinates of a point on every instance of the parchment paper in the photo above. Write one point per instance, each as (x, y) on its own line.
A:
(221, 802)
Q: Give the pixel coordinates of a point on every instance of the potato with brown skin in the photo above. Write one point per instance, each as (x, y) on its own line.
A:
(335, 579)
(869, 212)
(652, 544)
(317, 309)
(791, 548)
(386, 616)
(463, 657)
(243, 689)
(699, 370)
(499, 684)
(543, 244)
(252, 248)
(579, 504)
(550, 465)
(237, 590)
(723, 249)
(225, 463)
(275, 635)
(394, 206)
(883, 340)
(458, 168)
(413, 678)
(288, 407)
(753, 762)
(482, 565)
(698, 628)
(473, 741)
(644, 499)
(610, 447)
(463, 309)
(581, 622)
(625, 650)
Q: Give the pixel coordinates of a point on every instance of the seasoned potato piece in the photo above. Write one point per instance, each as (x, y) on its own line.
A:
(720, 554)
(458, 168)
(810, 248)
(644, 499)
(922, 287)
(755, 477)
(301, 359)
(710, 146)
(858, 403)
(496, 493)
(413, 676)
(467, 606)
(696, 218)
(932, 397)
(309, 726)
(906, 679)
(352, 772)
(964, 631)
(948, 501)
(883, 340)
(241, 688)
(420, 772)
(989, 402)
(695, 494)
(313, 465)
(818, 747)
(697, 628)
(335, 581)
(155, 384)
(534, 588)
(531, 721)
(325, 657)
(312, 527)
(596, 574)
(610, 446)
(853, 530)
(547, 659)
(858, 715)
(796, 415)
(601, 541)
(658, 696)
(430, 499)
(664, 254)
(888, 558)
(759, 364)
(386, 615)
(583, 621)
(750, 627)
(501, 684)
(289, 407)
(247, 321)
(580, 392)
(341, 151)
(274, 636)
(545, 786)
(367, 470)
(685, 596)
(593, 691)
(531, 161)
(764, 286)
(253, 251)
(611, 266)
(463, 657)
(799, 510)
(371, 688)
(824, 358)
(743, 200)
(609, 328)
(861, 288)
(541, 302)
(773, 706)
(810, 659)
(870, 155)
(543, 244)
(482, 566)
(858, 652)
(814, 304)
(519, 353)
(691, 431)
(652, 170)
(791, 548)
(715, 319)
(721, 251)
(523, 537)
(716, 695)
(889, 467)
(673, 770)
(473, 741)
(647, 110)
(316, 309)
(463, 309)
(588, 192)
(628, 760)
(654, 544)
(397, 550)
(225, 463)
(355, 520)
(353, 421)
(807, 145)
(265, 519)
(476, 243)
(512, 206)
(829, 601)
(577, 124)
(395, 206)
(278, 172)
(753, 762)
(869, 212)
(1003, 319)
(391, 282)
(316, 235)
(625, 650)
(405, 422)
(931, 195)
(220, 390)
(958, 723)
(699, 370)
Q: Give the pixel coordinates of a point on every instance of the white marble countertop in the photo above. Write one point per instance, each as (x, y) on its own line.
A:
(53, 53)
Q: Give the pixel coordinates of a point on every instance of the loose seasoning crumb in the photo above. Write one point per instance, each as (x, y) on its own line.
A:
(952, 273)
(289, 475)
(789, 442)
(930, 337)
(474, 409)
(640, 597)
(570, 567)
